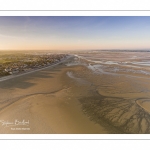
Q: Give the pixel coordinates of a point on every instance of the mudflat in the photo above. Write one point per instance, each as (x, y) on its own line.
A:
(79, 96)
(45, 102)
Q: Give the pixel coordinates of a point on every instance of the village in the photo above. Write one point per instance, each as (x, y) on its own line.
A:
(16, 64)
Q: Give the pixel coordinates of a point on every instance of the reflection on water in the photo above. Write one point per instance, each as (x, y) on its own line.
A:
(121, 83)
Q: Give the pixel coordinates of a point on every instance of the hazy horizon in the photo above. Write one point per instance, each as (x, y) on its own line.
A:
(74, 33)
(77, 50)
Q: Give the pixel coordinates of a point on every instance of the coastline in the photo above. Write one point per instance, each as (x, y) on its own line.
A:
(28, 72)
(45, 98)
(69, 98)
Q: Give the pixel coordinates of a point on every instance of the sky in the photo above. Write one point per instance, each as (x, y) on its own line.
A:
(74, 32)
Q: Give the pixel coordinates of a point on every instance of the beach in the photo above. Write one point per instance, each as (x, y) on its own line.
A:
(44, 100)
(77, 96)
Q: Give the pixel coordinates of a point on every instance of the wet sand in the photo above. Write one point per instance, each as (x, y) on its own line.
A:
(77, 96)
(45, 99)
(119, 98)
(145, 104)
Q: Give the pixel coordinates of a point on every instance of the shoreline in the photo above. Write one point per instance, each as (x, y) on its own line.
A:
(68, 99)
(48, 102)
(24, 73)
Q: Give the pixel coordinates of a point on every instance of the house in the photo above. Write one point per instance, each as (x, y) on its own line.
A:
(7, 69)
(14, 71)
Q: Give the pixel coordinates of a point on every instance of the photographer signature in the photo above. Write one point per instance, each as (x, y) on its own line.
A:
(15, 123)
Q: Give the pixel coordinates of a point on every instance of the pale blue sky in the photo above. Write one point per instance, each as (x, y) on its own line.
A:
(74, 33)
